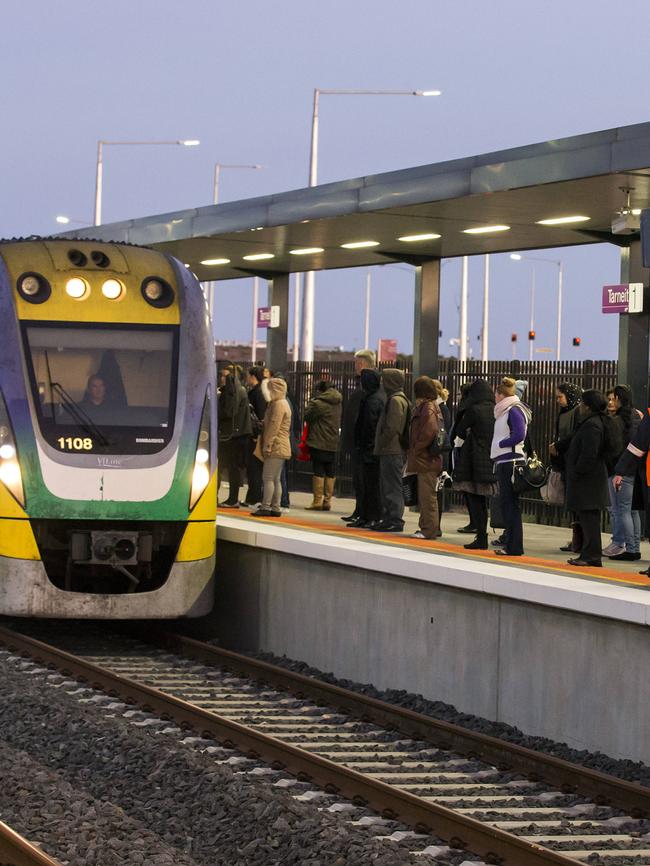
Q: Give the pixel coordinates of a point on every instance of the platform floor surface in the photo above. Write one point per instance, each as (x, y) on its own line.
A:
(541, 543)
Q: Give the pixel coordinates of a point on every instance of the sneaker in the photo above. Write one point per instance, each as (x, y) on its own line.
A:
(285, 509)
(613, 549)
(227, 504)
(498, 542)
(418, 534)
(266, 512)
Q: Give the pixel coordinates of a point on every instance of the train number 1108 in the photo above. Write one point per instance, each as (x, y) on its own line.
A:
(76, 443)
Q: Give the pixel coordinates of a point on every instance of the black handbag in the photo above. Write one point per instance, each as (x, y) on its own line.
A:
(440, 444)
(529, 474)
(410, 489)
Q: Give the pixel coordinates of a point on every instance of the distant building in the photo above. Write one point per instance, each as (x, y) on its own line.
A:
(231, 350)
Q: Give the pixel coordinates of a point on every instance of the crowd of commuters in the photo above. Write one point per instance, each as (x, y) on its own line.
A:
(402, 448)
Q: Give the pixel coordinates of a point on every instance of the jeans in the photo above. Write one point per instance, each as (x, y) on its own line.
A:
(271, 474)
(626, 524)
(509, 501)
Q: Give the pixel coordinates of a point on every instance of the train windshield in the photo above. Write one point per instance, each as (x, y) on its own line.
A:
(101, 389)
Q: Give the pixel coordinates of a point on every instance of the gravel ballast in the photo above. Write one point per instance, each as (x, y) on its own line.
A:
(94, 789)
(623, 769)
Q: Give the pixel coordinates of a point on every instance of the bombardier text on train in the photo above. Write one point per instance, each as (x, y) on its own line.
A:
(107, 433)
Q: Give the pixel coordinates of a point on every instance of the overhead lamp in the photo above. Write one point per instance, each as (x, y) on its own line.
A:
(215, 262)
(257, 257)
(483, 230)
(430, 236)
(358, 245)
(76, 288)
(516, 257)
(306, 251)
(190, 142)
(559, 221)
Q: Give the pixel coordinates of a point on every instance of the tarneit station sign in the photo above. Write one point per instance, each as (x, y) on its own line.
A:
(625, 298)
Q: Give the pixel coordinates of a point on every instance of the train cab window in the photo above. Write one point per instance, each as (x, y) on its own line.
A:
(101, 389)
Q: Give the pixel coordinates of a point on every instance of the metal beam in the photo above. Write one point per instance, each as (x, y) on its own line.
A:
(426, 319)
(634, 329)
(276, 338)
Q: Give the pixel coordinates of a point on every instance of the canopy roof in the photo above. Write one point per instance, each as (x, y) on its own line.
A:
(577, 176)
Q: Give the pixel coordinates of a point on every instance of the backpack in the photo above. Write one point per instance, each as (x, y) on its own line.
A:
(440, 444)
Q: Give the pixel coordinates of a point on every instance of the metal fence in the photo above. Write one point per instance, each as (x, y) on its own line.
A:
(542, 377)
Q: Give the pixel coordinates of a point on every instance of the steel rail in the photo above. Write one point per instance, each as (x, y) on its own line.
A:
(494, 845)
(605, 790)
(17, 851)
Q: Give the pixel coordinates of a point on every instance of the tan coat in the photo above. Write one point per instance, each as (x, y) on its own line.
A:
(425, 423)
(277, 422)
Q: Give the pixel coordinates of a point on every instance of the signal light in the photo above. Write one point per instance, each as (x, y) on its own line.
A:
(576, 341)
(513, 338)
(531, 335)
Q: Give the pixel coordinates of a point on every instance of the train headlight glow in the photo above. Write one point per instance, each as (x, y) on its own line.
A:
(76, 288)
(112, 289)
(202, 471)
(10, 474)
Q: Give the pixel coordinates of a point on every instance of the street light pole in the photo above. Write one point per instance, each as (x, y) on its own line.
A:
(559, 310)
(218, 166)
(532, 316)
(486, 304)
(99, 170)
(307, 341)
(560, 266)
(462, 345)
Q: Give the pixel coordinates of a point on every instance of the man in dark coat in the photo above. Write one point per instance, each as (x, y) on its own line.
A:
(474, 472)
(389, 447)
(258, 404)
(370, 409)
(364, 359)
(586, 475)
(234, 430)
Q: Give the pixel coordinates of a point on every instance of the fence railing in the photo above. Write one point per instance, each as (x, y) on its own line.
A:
(543, 377)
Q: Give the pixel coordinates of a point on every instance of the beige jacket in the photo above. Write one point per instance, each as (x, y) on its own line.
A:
(277, 422)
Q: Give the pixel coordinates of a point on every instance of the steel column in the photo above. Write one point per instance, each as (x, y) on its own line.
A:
(634, 329)
(426, 325)
(276, 338)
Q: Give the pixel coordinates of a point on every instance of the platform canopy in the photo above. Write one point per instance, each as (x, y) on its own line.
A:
(579, 176)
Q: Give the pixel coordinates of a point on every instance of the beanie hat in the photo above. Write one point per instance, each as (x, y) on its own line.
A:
(520, 388)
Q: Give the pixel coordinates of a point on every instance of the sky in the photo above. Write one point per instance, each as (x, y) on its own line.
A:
(240, 77)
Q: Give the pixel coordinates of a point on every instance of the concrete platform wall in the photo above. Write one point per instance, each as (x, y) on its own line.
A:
(565, 675)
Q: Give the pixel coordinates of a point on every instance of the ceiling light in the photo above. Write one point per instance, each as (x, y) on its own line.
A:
(481, 230)
(559, 221)
(256, 257)
(190, 142)
(358, 245)
(306, 251)
(516, 257)
(636, 211)
(215, 262)
(431, 236)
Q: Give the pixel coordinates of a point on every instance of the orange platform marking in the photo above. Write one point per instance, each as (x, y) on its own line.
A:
(606, 574)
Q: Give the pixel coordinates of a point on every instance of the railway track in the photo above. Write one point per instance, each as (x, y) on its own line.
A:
(17, 851)
(509, 805)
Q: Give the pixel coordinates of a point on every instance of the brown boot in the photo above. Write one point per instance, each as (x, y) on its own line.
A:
(329, 492)
(317, 486)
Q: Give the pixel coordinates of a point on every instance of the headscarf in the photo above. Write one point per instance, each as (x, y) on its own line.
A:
(572, 393)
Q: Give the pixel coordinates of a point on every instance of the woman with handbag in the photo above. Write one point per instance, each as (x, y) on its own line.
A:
(426, 421)
(567, 396)
(511, 420)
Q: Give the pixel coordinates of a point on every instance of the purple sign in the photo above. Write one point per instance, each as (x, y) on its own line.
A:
(624, 298)
(263, 317)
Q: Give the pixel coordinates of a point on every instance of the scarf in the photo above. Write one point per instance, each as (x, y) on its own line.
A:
(504, 405)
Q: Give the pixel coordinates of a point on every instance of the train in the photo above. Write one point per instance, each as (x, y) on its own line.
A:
(107, 433)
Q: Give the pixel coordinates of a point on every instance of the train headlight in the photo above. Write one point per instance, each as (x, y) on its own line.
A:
(202, 468)
(112, 289)
(33, 287)
(157, 292)
(10, 474)
(76, 288)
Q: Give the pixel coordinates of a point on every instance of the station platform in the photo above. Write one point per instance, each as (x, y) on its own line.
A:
(531, 641)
